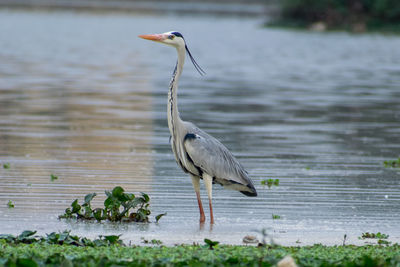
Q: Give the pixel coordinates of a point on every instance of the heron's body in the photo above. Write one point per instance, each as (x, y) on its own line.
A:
(195, 151)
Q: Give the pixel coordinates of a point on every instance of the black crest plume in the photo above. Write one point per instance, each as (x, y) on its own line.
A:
(196, 65)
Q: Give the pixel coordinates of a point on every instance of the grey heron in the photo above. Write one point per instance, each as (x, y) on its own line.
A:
(196, 152)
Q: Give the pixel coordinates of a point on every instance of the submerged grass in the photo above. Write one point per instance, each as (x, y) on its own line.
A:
(42, 254)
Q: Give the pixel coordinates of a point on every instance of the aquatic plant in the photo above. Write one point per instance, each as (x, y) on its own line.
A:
(152, 242)
(6, 165)
(159, 216)
(270, 182)
(392, 163)
(383, 242)
(50, 253)
(10, 205)
(378, 235)
(61, 238)
(53, 177)
(276, 217)
(381, 237)
(118, 206)
(210, 244)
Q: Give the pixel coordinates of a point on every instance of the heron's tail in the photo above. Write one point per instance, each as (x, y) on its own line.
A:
(252, 191)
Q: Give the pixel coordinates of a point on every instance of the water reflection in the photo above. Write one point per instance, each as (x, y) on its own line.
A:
(83, 98)
(55, 121)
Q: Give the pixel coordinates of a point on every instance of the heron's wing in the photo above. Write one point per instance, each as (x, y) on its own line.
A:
(213, 158)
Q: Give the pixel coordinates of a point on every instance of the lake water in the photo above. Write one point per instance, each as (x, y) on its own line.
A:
(83, 98)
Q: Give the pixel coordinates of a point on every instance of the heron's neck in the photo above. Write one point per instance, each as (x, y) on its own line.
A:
(173, 113)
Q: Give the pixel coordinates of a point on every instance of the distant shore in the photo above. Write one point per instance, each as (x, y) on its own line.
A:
(355, 16)
(222, 7)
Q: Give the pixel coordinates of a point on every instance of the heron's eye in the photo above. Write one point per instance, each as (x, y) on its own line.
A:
(171, 37)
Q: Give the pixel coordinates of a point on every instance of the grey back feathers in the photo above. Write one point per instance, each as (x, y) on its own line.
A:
(209, 155)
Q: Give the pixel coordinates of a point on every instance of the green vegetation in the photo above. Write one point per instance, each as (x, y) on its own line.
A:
(392, 163)
(381, 237)
(63, 238)
(159, 216)
(276, 217)
(63, 249)
(210, 244)
(6, 165)
(354, 15)
(152, 242)
(117, 207)
(270, 182)
(53, 177)
(10, 205)
(374, 236)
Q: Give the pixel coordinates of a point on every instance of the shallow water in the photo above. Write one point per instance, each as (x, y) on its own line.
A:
(83, 98)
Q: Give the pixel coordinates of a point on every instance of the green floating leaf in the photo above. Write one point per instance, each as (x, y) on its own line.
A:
(99, 214)
(145, 197)
(211, 244)
(159, 216)
(117, 191)
(108, 202)
(88, 198)
(6, 165)
(75, 206)
(26, 237)
(53, 177)
(378, 235)
(10, 205)
(27, 233)
(270, 182)
(156, 242)
(383, 242)
(113, 239)
(276, 217)
(392, 163)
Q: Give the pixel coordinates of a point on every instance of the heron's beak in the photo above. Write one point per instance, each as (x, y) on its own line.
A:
(154, 37)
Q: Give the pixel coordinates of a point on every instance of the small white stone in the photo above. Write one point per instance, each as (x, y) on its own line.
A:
(287, 261)
(250, 239)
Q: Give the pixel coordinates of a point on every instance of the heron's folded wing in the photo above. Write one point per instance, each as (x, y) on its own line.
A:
(212, 157)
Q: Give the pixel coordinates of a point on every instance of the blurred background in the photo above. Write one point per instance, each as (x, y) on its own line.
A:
(307, 92)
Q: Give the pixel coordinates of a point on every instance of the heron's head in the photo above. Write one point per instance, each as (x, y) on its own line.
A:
(176, 40)
(172, 38)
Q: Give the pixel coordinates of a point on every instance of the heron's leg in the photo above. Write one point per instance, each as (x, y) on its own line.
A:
(208, 183)
(196, 186)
